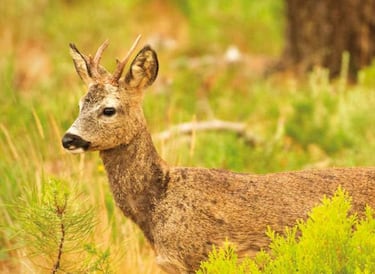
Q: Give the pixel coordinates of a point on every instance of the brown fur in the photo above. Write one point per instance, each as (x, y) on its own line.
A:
(184, 211)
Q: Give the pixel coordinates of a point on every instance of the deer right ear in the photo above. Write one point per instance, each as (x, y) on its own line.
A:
(81, 64)
(143, 70)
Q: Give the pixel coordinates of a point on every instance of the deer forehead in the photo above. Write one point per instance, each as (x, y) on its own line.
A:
(100, 95)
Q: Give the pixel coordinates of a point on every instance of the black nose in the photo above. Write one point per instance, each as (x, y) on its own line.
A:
(72, 142)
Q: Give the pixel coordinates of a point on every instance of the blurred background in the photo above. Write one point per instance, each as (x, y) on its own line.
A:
(297, 79)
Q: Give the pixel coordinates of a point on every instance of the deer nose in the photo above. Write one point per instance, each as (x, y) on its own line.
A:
(74, 142)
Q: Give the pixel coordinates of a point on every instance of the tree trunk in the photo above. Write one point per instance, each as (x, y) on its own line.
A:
(319, 31)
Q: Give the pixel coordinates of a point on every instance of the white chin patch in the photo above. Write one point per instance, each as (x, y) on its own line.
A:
(75, 150)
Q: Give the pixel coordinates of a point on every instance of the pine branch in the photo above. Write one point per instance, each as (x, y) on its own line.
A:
(60, 210)
(61, 245)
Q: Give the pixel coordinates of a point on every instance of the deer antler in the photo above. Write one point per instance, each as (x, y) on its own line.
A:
(94, 62)
(121, 64)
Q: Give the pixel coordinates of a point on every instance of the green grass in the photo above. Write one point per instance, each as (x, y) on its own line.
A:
(301, 123)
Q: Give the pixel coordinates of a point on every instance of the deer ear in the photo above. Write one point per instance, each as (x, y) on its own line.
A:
(81, 64)
(143, 70)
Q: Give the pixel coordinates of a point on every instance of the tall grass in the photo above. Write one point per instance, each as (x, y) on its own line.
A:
(311, 122)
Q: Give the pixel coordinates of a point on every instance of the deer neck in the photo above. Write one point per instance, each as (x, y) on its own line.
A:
(138, 178)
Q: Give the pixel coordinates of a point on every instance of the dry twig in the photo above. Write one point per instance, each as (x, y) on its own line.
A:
(238, 128)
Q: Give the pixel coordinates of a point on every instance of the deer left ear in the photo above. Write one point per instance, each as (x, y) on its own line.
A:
(143, 70)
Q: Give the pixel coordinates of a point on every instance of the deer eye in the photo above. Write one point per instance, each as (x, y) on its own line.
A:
(109, 111)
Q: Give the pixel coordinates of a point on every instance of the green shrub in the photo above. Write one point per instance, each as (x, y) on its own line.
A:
(224, 260)
(331, 240)
(320, 115)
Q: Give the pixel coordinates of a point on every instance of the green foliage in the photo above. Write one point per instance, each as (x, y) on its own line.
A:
(331, 240)
(366, 76)
(255, 18)
(53, 226)
(317, 116)
(98, 260)
(224, 260)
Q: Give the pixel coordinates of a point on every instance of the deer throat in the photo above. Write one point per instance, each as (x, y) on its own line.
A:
(138, 178)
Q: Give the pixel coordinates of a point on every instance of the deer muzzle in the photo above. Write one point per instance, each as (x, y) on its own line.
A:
(74, 143)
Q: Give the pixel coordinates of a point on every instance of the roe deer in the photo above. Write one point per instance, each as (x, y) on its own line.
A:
(183, 211)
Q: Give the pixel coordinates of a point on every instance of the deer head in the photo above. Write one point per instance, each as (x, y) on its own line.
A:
(110, 113)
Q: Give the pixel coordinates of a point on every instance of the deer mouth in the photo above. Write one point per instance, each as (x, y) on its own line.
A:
(75, 150)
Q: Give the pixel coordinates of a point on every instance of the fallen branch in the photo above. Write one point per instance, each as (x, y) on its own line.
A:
(239, 129)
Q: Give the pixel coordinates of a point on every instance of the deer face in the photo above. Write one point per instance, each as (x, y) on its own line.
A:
(110, 113)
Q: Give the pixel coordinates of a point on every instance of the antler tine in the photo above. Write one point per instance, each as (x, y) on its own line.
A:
(98, 55)
(121, 64)
(99, 52)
